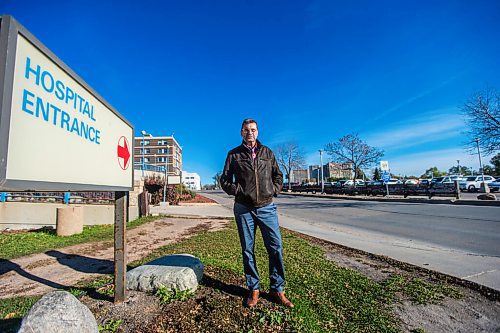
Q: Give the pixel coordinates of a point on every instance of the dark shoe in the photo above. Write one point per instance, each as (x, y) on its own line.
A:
(252, 299)
(280, 298)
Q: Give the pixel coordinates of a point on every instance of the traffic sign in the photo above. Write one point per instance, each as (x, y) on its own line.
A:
(386, 177)
(384, 165)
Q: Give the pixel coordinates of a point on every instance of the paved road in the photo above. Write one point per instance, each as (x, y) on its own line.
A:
(462, 241)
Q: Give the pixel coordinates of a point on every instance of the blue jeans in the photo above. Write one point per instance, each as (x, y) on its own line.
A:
(266, 218)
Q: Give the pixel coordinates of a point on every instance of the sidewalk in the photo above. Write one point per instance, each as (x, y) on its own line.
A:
(187, 210)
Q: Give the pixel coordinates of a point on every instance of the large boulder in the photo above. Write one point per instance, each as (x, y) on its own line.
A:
(487, 196)
(177, 271)
(59, 312)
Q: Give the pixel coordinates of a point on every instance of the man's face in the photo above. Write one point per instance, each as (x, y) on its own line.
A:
(249, 133)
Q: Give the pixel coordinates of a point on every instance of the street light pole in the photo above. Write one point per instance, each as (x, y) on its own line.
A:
(143, 132)
(480, 163)
(321, 166)
(458, 166)
(165, 183)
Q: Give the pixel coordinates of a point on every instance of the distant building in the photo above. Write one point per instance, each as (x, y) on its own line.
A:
(314, 173)
(191, 180)
(331, 169)
(299, 176)
(337, 170)
(159, 151)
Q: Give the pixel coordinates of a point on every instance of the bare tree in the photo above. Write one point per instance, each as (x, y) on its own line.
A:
(289, 157)
(216, 179)
(482, 112)
(351, 149)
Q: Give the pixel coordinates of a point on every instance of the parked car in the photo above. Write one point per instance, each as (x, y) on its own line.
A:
(375, 183)
(473, 183)
(359, 182)
(425, 182)
(394, 181)
(494, 185)
(456, 177)
(341, 182)
(411, 182)
(442, 180)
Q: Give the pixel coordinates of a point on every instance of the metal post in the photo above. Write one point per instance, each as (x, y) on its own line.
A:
(321, 166)
(480, 164)
(121, 214)
(165, 183)
(458, 166)
(66, 197)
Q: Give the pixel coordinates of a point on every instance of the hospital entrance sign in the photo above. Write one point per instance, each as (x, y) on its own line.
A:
(56, 133)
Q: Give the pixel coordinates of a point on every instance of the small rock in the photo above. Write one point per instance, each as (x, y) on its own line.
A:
(59, 312)
(486, 196)
(178, 271)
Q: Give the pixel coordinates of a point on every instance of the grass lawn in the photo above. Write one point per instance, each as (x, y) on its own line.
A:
(327, 298)
(14, 245)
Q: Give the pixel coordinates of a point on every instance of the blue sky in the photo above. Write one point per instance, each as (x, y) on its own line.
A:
(395, 72)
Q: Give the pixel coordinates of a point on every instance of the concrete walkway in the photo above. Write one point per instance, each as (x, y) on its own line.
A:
(202, 210)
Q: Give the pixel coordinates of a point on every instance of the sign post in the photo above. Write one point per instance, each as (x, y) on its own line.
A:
(58, 134)
(121, 212)
(386, 177)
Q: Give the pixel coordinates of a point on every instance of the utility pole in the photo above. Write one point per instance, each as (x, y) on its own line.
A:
(458, 166)
(165, 183)
(480, 164)
(321, 166)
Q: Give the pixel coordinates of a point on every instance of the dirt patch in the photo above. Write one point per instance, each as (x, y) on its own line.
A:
(216, 306)
(199, 199)
(59, 269)
(474, 312)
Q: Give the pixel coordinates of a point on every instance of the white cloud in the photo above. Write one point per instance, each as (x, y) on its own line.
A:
(433, 126)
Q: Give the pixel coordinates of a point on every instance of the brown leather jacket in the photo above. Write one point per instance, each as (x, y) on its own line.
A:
(253, 182)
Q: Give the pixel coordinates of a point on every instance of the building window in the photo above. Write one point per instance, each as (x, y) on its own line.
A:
(145, 143)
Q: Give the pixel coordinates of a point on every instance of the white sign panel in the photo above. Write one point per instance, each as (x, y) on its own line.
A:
(61, 134)
(384, 165)
(173, 180)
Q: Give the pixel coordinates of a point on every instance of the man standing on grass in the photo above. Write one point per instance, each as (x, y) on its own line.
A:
(252, 175)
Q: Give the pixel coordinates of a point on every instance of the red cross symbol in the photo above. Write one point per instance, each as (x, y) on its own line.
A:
(123, 153)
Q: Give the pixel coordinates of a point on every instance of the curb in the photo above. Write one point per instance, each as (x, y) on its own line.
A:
(495, 203)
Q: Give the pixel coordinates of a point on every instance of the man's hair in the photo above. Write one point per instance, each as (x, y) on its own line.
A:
(248, 121)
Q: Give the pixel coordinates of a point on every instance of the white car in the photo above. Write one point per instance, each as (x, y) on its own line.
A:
(473, 183)
(394, 181)
(443, 180)
(359, 182)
